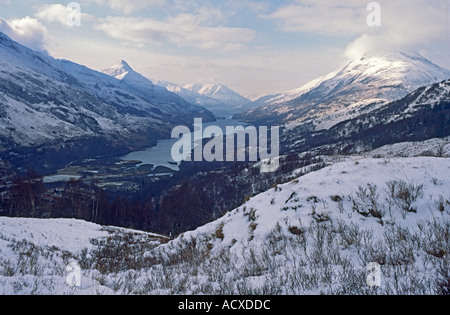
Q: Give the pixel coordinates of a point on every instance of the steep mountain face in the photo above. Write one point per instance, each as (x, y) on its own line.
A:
(360, 87)
(216, 97)
(53, 111)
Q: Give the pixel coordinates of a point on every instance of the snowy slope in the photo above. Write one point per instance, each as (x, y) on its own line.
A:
(285, 241)
(432, 147)
(293, 94)
(35, 254)
(66, 234)
(46, 91)
(280, 206)
(421, 115)
(315, 234)
(360, 87)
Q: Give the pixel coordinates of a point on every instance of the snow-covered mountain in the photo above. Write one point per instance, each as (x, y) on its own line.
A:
(216, 97)
(421, 115)
(48, 103)
(360, 87)
(218, 92)
(133, 81)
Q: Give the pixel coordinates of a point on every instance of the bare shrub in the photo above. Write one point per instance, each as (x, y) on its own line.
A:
(441, 204)
(405, 195)
(367, 202)
(219, 232)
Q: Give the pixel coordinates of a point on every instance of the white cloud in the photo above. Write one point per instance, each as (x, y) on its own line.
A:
(134, 5)
(185, 30)
(324, 17)
(26, 31)
(407, 25)
(129, 6)
(202, 27)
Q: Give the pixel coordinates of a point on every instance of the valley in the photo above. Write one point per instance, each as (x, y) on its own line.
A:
(126, 173)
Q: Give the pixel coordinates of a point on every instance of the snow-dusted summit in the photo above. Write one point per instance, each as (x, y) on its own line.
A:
(216, 97)
(361, 86)
(123, 72)
(219, 92)
(119, 70)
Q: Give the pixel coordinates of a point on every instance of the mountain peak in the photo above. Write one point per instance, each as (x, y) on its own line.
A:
(123, 64)
(400, 58)
(218, 91)
(122, 71)
(364, 84)
(119, 70)
(411, 70)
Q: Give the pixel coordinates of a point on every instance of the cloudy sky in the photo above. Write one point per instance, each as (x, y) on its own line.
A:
(255, 47)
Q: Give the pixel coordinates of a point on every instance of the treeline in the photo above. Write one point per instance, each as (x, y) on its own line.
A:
(186, 205)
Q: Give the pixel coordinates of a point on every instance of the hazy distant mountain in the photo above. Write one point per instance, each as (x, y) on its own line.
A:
(216, 97)
(218, 92)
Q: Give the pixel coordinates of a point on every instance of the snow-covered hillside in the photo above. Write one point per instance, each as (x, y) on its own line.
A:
(360, 87)
(35, 254)
(302, 236)
(315, 234)
(434, 147)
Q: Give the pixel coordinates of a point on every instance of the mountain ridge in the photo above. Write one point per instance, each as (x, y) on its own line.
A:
(216, 97)
(361, 86)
